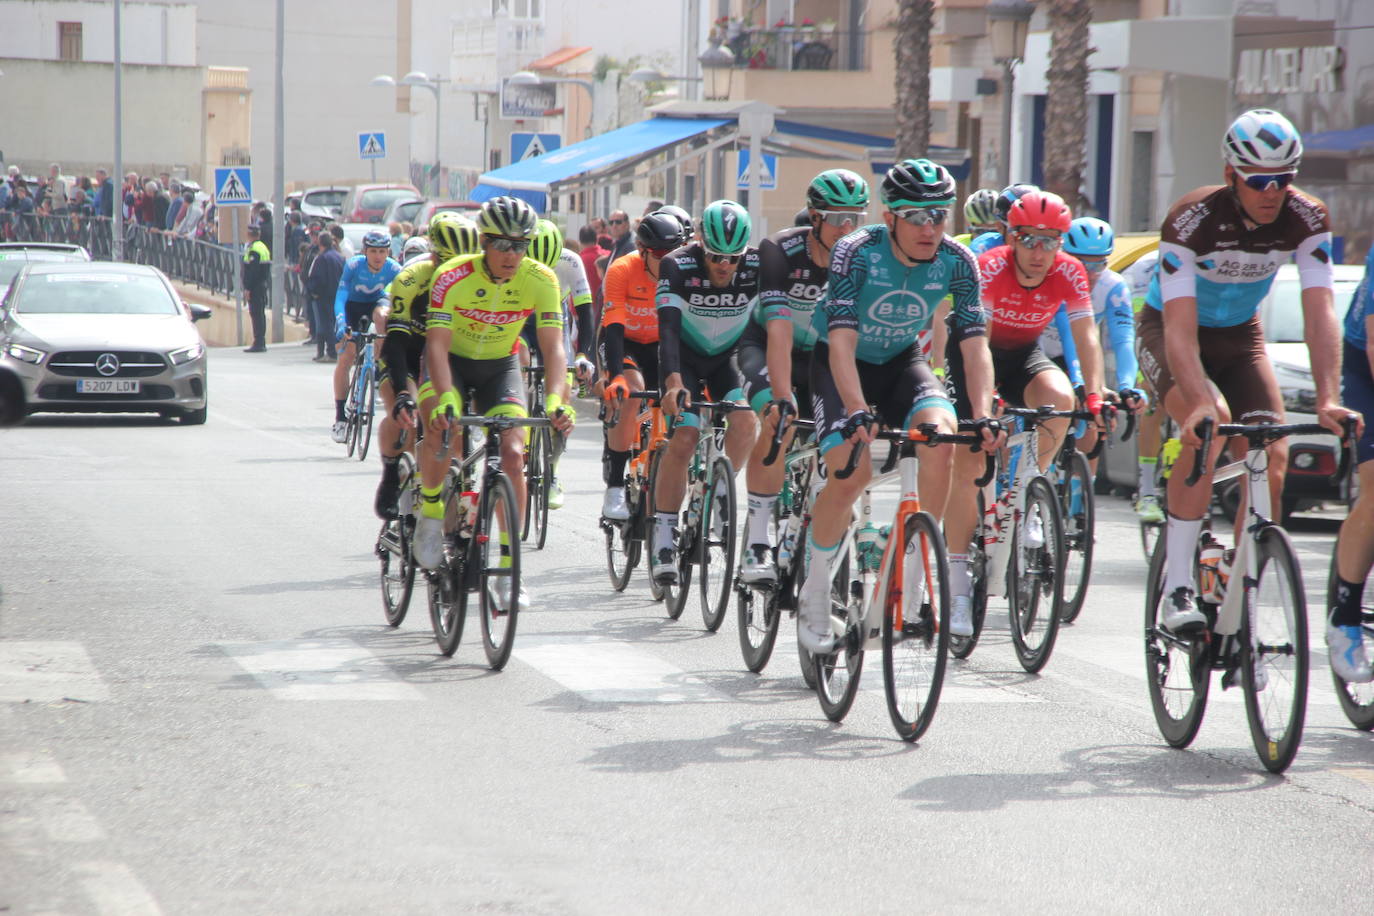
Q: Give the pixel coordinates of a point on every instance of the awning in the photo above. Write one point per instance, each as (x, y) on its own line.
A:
(1355, 141)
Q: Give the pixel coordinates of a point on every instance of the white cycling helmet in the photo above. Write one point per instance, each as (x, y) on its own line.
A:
(414, 245)
(1262, 139)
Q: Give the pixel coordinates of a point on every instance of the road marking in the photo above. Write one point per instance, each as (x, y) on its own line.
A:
(114, 890)
(41, 672)
(66, 820)
(606, 671)
(319, 669)
(33, 768)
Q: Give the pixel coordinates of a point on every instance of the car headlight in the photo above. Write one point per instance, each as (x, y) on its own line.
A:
(186, 354)
(25, 354)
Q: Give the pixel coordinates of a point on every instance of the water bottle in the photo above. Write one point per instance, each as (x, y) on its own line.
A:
(866, 546)
(1211, 579)
(787, 541)
(467, 512)
(990, 526)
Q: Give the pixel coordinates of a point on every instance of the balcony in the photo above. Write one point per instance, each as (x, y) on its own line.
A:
(798, 48)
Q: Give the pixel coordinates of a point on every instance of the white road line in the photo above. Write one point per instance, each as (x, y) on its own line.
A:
(41, 672)
(32, 768)
(66, 820)
(319, 669)
(606, 671)
(114, 889)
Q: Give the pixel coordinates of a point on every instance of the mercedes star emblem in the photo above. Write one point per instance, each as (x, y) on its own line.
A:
(107, 364)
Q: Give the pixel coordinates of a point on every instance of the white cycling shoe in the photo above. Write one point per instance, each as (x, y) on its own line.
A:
(961, 615)
(613, 505)
(1346, 652)
(758, 567)
(1033, 531)
(1181, 611)
(429, 542)
(522, 598)
(340, 431)
(814, 630)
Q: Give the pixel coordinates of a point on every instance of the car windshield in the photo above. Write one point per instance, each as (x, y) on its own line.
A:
(326, 198)
(12, 262)
(94, 294)
(1282, 315)
(382, 198)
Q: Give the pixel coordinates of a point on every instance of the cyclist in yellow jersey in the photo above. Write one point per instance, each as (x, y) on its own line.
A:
(478, 304)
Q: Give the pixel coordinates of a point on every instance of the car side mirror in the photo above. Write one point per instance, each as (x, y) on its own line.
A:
(200, 312)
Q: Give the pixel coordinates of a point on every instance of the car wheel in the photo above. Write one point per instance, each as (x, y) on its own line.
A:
(194, 417)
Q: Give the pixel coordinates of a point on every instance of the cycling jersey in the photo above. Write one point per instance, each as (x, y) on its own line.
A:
(485, 316)
(1207, 253)
(709, 319)
(1139, 275)
(1361, 308)
(986, 242)
(405, 323)
(577, 299)
(628, 313)
(1016, 314)
(888, 303)
(790, 284)
(359, 284)
(1111, 299)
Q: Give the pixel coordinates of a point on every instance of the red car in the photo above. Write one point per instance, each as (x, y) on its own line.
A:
(366, 203)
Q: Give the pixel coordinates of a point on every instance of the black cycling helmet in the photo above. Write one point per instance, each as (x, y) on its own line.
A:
(803, 217)
(682, 217)
(660, 230)
(918, 183)
(1010, 195)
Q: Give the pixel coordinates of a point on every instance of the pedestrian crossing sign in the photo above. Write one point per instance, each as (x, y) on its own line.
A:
(233, 186)
(769, 177)
(372, 145)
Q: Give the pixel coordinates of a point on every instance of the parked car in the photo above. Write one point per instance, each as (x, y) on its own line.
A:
(431, 207)
(323, 202)
(14, 255)
(104, 337)
(402, 210)
(366, 203)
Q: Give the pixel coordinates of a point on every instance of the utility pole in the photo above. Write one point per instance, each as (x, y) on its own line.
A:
(279, 190)
(117, 179)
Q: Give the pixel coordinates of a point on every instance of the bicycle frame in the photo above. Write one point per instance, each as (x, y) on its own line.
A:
(1010, 504)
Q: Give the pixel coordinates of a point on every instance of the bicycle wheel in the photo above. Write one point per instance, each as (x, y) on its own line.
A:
(675, 596)
(448, 592)
(916, 627)
(837, 674)
(367, 409)
(805, 659)
(1150, 533)
(393, 550)
(716, 542)
(1178, 671)
(962, 646)
(351, 408)
(1034, 577)
(622, 548)
(1078, 508)
(498, 575)
(650, 522)
(544, 440)
(1274, 659)
(1357, 700)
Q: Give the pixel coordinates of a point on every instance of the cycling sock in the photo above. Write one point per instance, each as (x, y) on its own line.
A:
(505, 551)
(818, 560)
(1146, 487)
(615, 467)
(432, 501)
(1346, 611)
(760, 514)
(1180, 545)
(960, 582)
(338, 411)
(663, 529)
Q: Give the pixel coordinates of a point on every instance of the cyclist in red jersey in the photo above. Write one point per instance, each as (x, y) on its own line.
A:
(1023, 282)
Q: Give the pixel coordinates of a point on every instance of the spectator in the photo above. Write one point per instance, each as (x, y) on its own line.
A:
(256, 272)
(322, 284)
(295, 231)
(174, 209)
(623, 240)
(191, 213)
(592, 252)
(104, 195)
(397, 240)
(262, 217)
(80, 205)
(343, 244)
(162, 202)
(407, 230)
(7, 186)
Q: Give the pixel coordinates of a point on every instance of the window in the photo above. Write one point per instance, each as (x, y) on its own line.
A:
(69, 41)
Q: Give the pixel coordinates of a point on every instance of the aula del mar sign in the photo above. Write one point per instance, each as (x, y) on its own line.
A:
(1271, 71)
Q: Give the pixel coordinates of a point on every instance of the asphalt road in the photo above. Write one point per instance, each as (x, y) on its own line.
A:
(203, 711)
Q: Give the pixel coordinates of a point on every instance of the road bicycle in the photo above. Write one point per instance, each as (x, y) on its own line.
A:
(362, 395)
(625, 538)
(1018, 546)
(1256, 635)
(891, 594)
(1357, 700)
(396, 542)
(481, 542)
(538, 462)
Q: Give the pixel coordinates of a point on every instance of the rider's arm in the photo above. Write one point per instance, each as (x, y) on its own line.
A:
(341, 292)
(1070, 348)
(582, 305)
(776, 312)
(548, 325)
(968, 327)
(1320, 328)
(613, 313)
(843, 342)
(1369, 340)
(669, 307)
(394, 352)
(1120, 321)
(1079, 306)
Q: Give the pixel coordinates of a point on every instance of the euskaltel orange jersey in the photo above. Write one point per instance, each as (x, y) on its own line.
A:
(629, 299)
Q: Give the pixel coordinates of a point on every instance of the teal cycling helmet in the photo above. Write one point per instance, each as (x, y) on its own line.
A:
(1089, 236)
(918, 183)
(980, 209)
(725, 227)
(547, 245)
(837, 188)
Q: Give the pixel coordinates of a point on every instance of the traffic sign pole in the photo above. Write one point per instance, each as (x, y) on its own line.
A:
(238, 278)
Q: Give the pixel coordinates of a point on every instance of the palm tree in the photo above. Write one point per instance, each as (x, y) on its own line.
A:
(1066, 107)
(912, 82)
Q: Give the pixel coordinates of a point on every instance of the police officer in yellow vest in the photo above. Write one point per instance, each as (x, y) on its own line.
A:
(256, 272)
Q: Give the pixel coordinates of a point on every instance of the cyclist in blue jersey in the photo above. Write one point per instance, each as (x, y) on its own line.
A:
(886, 282)
(362, 285)
(996, 236)
(1355, 544)
(1201, 345)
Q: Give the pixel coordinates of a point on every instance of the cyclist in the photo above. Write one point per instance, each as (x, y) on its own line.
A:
(1355, 543)
(1150, 434)
(451, 235)
(1201, 344)
(415, 247)
(629, 342)
(705, 292)
(576, 295)
(363, 283)
(995, 236)
(886, 281)
(478, 305)
(776, 344)
(1023, 284)
(980, 215)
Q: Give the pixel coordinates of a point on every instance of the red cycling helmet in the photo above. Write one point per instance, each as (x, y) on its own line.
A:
(1040, 210)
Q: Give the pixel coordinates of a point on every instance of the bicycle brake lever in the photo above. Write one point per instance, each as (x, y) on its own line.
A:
(1200, 458)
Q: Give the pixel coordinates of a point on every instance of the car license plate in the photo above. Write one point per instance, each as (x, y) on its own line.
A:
(107, 386)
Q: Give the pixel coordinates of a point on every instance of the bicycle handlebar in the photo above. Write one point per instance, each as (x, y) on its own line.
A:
(785, 409)
(1259, 435)
(922, 434)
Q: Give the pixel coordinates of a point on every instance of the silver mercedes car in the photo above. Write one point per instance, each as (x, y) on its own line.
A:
(104, 337)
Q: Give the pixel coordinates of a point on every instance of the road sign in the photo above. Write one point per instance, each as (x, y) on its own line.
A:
(233, 186)
(768, 180)
(520, 102)
(526, 145)
(372, 145)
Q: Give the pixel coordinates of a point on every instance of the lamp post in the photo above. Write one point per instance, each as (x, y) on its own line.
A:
(718, 66)
(1008, 25)
(432, 83)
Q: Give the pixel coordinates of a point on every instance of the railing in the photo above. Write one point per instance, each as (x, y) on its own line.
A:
(798, 48)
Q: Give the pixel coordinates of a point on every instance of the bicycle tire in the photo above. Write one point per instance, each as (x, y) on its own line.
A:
(351, 408)
(544, 442)
(1357, 700)
(397, 575)
(369, 410)
(499, 616)
(1274, 655)
(837, 673)
(962, 646)
(650, 522)
(716, 551)
(1034, 574)
(1178, 672)
(1079, 532)
(916, 627)
(1150, 534)
(448, 593)
(622, 549)
(675, 596)
(805, 659)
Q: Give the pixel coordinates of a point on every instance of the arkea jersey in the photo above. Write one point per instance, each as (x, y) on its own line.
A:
(485, 316)
(713, 318)
(359, 284)
(790, 284)
(890, 304)
(1207, 253)
(1361, 308)
(629, 299)
(1111, 298)
(1017, 315)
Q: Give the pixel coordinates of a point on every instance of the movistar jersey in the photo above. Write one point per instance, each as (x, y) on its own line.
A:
(1112, 311)
(986, 242)
(1207, 253)
(890, 304)
(360, 284)
(790, 284)
(713, 318)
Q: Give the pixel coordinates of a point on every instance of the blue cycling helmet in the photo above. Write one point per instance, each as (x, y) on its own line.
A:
(377, 239)
(1089, 236)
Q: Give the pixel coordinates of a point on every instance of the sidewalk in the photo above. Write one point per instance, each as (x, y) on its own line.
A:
(220, 331)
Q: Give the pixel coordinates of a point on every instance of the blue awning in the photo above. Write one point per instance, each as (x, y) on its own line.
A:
(1354, 140)
(532, 178)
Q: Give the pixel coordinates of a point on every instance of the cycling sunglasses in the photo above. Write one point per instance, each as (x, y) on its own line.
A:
(503, 243)
(922, 216)
(1280, 180)
(1047, 242)
(1093, 263)
(843, 217)
(715, 258)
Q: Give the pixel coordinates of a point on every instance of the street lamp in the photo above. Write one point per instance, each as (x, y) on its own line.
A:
(650, 75)
(1008, 25)
(718, 65)
(530, 78)
(432, 83)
